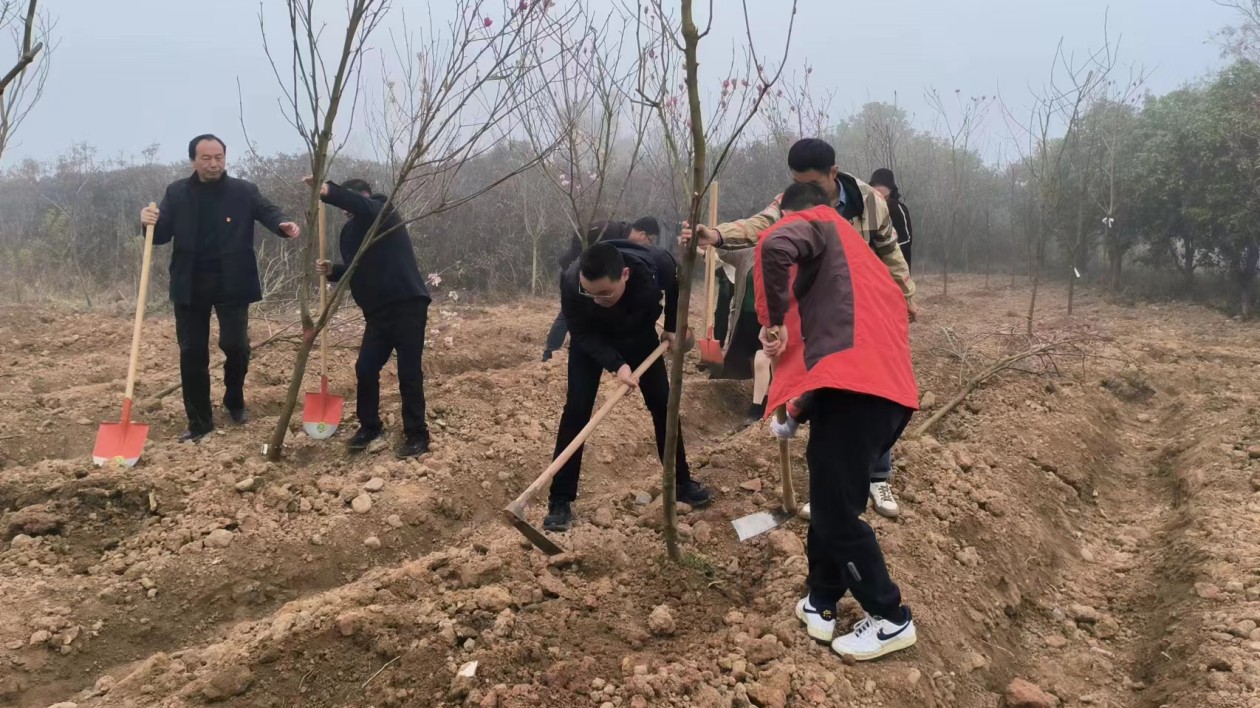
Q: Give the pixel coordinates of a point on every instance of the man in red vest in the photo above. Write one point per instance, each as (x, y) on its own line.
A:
(836, 324)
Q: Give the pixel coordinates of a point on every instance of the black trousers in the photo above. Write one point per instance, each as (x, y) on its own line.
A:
(722, 315)
(555, 336)
(905, 252)
(584, 376)
(849, 431)
(192, 331)
(395, 328)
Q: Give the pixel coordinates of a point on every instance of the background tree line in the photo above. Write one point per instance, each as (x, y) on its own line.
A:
(1091, 178)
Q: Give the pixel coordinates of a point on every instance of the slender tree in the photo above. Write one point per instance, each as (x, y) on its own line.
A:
(22, 85)
(741, 97)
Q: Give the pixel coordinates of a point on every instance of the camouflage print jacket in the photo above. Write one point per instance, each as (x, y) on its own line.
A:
(863, 207)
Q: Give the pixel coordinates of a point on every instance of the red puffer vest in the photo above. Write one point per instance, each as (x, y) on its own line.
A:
(845, 316)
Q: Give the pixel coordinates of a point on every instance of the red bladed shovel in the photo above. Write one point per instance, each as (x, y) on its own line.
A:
(710, 349)
(121, 443)
(321, 412)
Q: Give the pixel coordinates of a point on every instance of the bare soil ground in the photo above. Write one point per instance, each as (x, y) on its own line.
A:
(1094, 530)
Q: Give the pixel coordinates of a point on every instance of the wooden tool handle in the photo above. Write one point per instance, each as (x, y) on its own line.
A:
(520, 502)
(323, 292)
(145, 262)
(785, 466)
(710, 267)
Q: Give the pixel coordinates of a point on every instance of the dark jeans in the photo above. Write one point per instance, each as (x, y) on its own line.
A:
(849, 432)
(192, 331)
(722, 316)
(584, 376)
(398, 327)
(555, 336)
(883, 468)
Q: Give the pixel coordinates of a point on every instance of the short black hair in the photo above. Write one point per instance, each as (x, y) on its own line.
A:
(192, 144)
(602, 260)
(811, 154)
(648, 225)
(358, 185)
(801, 196)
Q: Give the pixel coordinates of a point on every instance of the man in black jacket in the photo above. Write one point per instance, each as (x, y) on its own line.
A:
(644, 232)
(387, 286)
(611, 299)
(210, 218)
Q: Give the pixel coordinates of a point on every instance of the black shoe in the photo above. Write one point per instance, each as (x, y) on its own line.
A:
(190, 436)
(240, 416)
(546, 356)
(362, 438)
(413, 446)
(559, 517)
(694, 494)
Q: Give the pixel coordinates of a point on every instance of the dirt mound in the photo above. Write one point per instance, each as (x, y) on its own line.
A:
(1090, 534)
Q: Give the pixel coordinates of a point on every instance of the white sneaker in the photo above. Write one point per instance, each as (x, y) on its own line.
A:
(874, 637)
(821, 625)
(885, 502)
(803, 512)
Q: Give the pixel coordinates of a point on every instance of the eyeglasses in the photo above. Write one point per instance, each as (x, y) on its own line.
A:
(602, 296)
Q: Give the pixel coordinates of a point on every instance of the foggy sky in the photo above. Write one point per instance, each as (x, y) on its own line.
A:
(130, 73)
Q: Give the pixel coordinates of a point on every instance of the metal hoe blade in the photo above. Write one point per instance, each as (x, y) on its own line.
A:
(756, 524)
(536, 537)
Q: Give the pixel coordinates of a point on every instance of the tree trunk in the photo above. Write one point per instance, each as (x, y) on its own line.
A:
(1036, 271)
(533, 273)
(699, 165)
(275, 447)
(1251, 259)
(949, 235)
(1078, 241)
(1115, 257)
(1188, 253)
(988, 260)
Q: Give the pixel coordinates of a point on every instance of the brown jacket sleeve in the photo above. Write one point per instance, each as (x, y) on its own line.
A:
(743, 233)
(796, 242)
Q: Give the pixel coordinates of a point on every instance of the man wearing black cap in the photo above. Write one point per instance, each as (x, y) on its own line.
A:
(813, 161)
(644, 232)
(209, 217)
(883, 181)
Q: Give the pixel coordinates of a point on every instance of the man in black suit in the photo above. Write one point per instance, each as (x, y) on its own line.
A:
(209, 217)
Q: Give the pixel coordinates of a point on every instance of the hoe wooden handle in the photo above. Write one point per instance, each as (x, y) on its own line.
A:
(519, 504)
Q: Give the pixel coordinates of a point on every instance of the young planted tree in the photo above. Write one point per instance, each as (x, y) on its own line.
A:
(961, 123)
(586, 108)
(455, 88)
(1046, 138)
(741, 97)
(23, 84)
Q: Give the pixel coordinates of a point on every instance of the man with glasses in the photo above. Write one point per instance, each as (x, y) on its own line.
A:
(611, 299)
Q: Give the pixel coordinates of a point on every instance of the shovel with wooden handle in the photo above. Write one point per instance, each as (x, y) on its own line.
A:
(321, 412)
(121, 443)
(710, 348)
(514, 513)
(756, 524)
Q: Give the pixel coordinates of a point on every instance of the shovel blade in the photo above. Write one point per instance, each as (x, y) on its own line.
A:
(321, 414)
(536, 537)
(756, 524)
(710, 351)
(119, 444)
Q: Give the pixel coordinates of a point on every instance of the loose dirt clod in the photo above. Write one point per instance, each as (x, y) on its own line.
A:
(661, 621)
